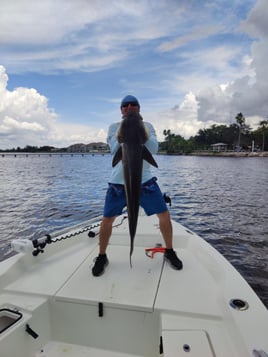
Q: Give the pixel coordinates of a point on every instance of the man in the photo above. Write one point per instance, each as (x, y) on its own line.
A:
(151, 198)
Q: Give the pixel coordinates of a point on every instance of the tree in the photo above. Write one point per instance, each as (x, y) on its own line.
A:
(174, 143)
(263, 126)
(168, 140)
(240, 120)
(216, 134)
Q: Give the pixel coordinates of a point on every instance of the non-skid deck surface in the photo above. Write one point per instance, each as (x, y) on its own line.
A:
(67, 275)
(46, 274)
(121, 285)
(59, 349)
(189, 291)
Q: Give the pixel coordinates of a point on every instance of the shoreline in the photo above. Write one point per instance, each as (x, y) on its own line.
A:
(232, 154)
(194, 153)
(222, 154)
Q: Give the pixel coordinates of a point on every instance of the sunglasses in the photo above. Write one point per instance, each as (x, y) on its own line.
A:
(132, 104)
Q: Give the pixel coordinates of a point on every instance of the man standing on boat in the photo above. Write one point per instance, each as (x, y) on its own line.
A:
(152, 200)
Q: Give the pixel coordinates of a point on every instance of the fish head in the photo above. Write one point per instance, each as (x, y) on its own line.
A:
(132, 129)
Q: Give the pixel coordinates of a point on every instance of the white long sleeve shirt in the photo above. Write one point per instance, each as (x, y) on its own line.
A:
(151, 144)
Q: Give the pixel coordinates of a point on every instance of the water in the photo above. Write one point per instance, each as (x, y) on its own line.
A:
(222, 199)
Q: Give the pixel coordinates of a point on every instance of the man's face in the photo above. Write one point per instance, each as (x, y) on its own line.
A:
(130, 106)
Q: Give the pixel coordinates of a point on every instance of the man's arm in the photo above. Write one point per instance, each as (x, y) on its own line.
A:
(112, 138)
(152, 142)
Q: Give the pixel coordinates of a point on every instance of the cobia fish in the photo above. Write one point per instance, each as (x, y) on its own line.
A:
(132, 136)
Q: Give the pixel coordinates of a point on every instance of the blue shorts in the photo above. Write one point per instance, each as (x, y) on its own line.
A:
(151, 199)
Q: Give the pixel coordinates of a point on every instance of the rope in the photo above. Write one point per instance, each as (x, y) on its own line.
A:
(39, 244)
(85, 229)
(73, 234)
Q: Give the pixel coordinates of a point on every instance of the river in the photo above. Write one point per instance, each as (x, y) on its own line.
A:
(222, 199)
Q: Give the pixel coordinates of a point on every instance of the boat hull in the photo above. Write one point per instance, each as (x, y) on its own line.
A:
(147, 310)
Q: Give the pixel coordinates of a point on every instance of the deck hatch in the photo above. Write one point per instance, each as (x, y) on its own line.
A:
(192, 343)
(8, 318)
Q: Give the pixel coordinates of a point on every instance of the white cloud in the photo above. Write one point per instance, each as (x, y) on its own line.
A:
(66, 134)
(50, 36)
(46, 22)
(219, 89)
(256, 24)
(24, 115)
(26, 119)
(191, 55)
(10, 125)
(247, 92)
(181, 119)
(197, 33)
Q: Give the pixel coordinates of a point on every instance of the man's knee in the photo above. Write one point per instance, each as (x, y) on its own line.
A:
(164, 216)
(107, 221)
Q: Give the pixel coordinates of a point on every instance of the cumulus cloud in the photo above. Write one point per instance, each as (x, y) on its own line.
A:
(256, 24)
(247, 93)
(24, 114)
(181, 119)
(64, 134)
(26, 119)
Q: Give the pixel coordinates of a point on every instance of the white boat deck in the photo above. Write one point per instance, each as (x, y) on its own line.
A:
(66, 276)
(131, 307)
(121, 286)
(59, 349)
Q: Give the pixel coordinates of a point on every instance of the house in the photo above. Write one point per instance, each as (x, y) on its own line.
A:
(97, 147)
(92, 147)
(219, 147)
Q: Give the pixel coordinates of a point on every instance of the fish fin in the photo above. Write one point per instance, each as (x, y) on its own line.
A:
(117, 157)
(146, 155)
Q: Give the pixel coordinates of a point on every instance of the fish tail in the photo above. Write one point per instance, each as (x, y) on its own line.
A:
(130, 255)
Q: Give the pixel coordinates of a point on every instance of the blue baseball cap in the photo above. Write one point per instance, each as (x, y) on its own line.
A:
(129, 99)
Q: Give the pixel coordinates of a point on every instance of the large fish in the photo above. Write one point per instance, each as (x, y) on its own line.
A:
(132, 135)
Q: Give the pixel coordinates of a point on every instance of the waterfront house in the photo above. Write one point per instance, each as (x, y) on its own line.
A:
(219, 147)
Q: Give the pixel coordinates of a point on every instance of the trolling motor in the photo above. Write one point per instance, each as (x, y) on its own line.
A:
(40, 243)
(35, 246)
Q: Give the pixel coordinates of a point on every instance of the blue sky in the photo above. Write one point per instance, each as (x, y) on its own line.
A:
(65, 66)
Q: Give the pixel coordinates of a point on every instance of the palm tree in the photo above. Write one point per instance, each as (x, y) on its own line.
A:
(168, 135)
(240, 120)
(264, 125)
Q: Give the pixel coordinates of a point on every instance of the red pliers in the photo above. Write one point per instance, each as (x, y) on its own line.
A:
(150, 252)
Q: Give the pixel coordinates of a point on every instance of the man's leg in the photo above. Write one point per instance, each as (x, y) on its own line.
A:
(104, 235)
(115, 201)
(152, 202)
(167, 233)
(166, 228)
